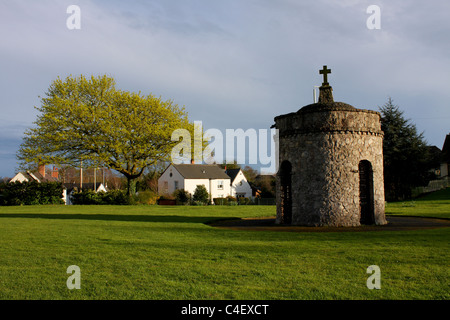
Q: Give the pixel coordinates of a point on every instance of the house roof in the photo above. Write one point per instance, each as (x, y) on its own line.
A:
(36, 176)
(47, 178)
(232, 173)
(201, 171)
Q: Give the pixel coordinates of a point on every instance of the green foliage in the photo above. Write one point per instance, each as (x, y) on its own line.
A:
(266, 184)
(220, 201)
(31, 193)
(407, 158)
(181, 196)
(119, 197)
(166, 197)
(89, 120)
(244, 201)
(229, 166)
(200, 194)
(146, 197)
(112, 197)
(250, 173)
(87, 197)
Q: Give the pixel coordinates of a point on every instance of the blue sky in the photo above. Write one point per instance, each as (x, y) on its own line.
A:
(231, 64)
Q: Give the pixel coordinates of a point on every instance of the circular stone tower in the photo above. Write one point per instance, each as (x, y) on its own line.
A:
(330, 164)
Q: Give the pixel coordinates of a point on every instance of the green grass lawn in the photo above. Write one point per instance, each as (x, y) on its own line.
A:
(158, 252)
(433, 205)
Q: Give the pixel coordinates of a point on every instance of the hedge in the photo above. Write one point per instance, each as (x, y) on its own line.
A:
(113, 197)
(30, 193)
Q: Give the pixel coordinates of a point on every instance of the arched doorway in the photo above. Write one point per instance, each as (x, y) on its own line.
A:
(366, 192)
(285, 192)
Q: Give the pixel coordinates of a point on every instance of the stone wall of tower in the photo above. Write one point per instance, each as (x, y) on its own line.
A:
(325, 144)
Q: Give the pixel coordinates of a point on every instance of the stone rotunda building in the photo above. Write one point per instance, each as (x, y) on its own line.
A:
(330, 164)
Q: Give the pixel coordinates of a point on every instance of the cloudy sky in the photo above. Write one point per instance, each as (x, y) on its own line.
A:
(230, 63)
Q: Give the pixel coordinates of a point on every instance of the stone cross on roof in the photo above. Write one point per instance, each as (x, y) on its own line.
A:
(325, 72)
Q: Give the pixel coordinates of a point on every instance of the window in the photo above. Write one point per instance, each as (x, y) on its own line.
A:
(166, 186)
(220, 185)
(176, 185)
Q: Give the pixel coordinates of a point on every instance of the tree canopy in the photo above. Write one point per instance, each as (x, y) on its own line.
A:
(407, 157)
(88, 120)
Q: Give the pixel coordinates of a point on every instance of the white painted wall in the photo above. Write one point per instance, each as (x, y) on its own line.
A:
(66, 197)
(191, 184)
(170, 176)
(241, 186)
(224, 192)
(211, 185)
(19, 177)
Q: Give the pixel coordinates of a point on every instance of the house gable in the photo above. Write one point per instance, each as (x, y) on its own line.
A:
(21, 177)
(239, 184)
(170, 180)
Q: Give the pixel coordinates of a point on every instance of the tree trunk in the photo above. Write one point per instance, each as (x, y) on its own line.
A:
(131, 186)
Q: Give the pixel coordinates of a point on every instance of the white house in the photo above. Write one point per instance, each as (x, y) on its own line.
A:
(189, 176)
(240, 188)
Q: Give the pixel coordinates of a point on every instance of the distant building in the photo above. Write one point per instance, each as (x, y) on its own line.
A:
(219, 183)
(240, 188)
(68, 188)
(445, 162)
(38, 176)
(189, 176)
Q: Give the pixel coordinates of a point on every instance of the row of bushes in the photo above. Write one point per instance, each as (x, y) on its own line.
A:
(30, 193)
(34, 193)
(231, 201)
(113, 197)
(201, 197)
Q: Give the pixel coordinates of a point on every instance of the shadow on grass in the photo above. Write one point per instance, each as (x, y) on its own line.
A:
(114, 217)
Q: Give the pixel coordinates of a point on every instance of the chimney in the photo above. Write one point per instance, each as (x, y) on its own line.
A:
(41, 169)
(55, 173)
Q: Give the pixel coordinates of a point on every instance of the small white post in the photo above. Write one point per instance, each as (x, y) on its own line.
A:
(315, 94)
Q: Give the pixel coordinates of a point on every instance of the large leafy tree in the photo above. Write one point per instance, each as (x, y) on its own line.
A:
(89, 121)
(406, 153)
